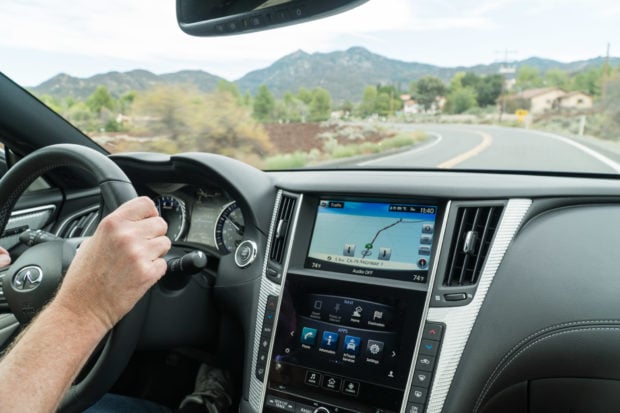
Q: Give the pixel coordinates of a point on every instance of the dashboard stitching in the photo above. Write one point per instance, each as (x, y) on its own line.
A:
(541, 332)
(539, 340)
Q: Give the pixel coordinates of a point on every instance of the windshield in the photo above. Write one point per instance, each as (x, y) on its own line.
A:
(451, 84)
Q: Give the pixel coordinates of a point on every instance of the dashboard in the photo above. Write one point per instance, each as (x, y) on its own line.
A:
(374, 291)
(386, 291)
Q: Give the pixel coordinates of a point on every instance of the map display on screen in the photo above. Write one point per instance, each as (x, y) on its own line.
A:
(373, 238)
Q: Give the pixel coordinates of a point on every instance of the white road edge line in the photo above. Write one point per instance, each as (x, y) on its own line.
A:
(438, 139)
(599, 157)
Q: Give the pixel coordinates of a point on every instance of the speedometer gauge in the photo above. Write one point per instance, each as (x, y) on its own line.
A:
(172, 210)
(229, 228)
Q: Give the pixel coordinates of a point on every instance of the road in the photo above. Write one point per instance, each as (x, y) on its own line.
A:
(494, 147)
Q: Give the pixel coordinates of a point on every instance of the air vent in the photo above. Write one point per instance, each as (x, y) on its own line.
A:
(80, 225)
(3, 302)
(283, 222)
(474, 230)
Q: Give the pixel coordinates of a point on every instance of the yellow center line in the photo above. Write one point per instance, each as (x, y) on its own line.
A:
(487, 140)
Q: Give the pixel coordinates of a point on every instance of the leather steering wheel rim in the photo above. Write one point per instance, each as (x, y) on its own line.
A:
(116, 189)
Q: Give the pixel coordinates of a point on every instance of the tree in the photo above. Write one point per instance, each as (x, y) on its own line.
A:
(347, 108)
(388, 100)
(52, 103)
(126, 100)
(369, 98)
(557, 78)
(589, 81)
(461, 99)
(470, 79)
(100, 99)
(165, 109)
(382, 104)
(304, 95)
(611, 109)
(220, 124)
(197, 121)
(321, 105)
(428, 89)
(264, 104)
(489, 90)
(229, 87)
(528, 77)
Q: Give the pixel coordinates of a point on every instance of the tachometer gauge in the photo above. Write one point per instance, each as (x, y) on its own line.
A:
(229, 228)
(172, 210)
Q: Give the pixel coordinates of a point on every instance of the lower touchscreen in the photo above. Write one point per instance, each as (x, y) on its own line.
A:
(342, 345)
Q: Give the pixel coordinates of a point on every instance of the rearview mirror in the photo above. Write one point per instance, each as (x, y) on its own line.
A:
(227, 17)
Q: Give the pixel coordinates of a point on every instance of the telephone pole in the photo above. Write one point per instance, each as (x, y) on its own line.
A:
(605, 74)
(504, 70)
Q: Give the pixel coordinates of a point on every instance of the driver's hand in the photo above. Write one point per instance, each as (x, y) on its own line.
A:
(115, 267)
(5, 258)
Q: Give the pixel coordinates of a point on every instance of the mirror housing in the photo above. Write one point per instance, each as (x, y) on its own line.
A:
(228, 17)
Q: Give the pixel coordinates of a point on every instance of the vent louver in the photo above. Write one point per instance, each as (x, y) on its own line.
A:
(80, 225)
(473, 233)
(2, 299)
(283, 221)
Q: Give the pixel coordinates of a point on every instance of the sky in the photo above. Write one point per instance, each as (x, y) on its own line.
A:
(41, 38)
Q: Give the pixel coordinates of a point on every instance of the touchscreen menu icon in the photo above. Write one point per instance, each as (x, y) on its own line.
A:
(330, 341)
(308, 336)
(374, 351)
(352, 345)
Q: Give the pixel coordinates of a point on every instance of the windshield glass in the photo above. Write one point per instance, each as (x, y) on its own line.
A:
(454, 84)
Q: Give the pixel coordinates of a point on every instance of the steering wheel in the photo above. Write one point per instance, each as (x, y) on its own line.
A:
(48, 262)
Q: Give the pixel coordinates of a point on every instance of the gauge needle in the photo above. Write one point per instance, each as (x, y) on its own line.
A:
(237, 226)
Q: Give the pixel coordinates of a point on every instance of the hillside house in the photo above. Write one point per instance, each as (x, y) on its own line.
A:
(576, 100)
(542, 100)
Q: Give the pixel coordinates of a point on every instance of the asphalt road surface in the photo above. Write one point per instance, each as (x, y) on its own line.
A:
(494, 147)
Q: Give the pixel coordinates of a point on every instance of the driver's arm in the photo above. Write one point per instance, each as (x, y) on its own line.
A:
(109, 274)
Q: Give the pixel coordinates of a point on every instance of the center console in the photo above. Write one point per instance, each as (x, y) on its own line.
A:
(348, 331)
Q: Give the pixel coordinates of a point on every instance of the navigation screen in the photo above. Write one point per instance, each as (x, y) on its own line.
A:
(390, 240)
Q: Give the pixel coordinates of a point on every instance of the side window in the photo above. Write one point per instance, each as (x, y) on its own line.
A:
(3, 166)
(38, 184)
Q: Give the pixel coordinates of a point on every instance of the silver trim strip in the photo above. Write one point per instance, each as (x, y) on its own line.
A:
(258, 388)
(35, 218)
(460, 320)
(21, 212)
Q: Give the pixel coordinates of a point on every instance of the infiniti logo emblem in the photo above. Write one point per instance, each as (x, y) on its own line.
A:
(28, 278)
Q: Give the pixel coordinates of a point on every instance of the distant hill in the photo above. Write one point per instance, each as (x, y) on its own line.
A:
(343, 73)
(118, 83)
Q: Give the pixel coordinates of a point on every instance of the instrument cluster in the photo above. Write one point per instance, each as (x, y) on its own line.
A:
(202, 215)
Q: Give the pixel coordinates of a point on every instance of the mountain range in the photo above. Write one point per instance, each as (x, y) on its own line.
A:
(343, 73)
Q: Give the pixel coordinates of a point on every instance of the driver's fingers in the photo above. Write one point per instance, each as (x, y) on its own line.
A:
(152, 252)
(137, 209)
(5, 257)
(150, 227)
(158, 247)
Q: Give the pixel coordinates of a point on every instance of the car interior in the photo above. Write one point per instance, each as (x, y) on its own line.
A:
(495, 290)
